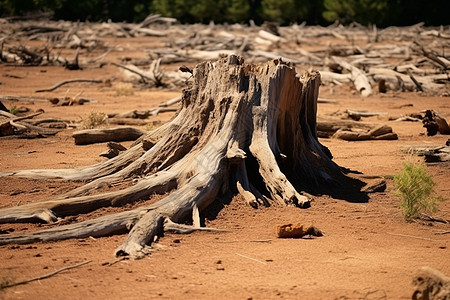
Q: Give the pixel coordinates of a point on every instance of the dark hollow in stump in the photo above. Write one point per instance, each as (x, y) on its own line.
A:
(241, 127)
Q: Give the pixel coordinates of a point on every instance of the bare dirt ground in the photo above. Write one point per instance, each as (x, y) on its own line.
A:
(368, 251)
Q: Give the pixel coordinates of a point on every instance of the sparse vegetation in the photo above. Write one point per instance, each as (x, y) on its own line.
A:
(123, 89)
(94, 120)
(415, 186)
(13, 110)
(153, 125)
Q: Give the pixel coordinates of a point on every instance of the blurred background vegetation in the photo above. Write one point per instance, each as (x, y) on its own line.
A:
(314, 12)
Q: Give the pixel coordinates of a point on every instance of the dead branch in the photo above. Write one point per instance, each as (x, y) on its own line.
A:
(46, 275)
(67, 82)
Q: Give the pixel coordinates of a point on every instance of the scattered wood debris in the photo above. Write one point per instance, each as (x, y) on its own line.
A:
(386, 63)
(436, 153)
(12, 125)
(353, 130)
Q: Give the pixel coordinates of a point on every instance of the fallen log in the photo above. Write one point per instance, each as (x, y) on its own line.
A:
(353, 130)
(357, 114)
(382, 132)
(119, 134)
(358, 77)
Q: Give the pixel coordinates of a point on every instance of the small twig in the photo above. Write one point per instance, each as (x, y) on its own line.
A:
(323, 100)
(261, 241)
(418, 85)
(15, 119)
(66, 82)
(46, 275)
(117, 260)
(410, 236)
(433, 219)
(254, 259)
(442, 232)
(170, 102)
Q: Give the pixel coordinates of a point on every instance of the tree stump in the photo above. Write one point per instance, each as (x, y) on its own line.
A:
(248, 128)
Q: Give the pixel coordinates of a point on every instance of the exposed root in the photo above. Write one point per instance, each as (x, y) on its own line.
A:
(50, 211)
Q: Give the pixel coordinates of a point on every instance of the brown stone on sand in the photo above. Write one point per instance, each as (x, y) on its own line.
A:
(296, 230)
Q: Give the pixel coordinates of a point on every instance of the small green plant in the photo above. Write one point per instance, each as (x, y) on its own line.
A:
(13, 110)
(416, 188)
(94, 120)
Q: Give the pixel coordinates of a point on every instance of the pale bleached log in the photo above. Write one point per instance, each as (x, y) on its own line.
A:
(358, 77)
(269, 36)
(119, 134)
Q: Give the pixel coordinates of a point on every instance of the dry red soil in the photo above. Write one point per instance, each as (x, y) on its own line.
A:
(368, 250)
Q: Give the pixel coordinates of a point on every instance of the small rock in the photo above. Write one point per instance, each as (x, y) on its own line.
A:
(297, 230)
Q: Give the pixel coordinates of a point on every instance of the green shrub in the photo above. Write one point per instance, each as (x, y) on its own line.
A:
(362, 11)
(13, 110)
(416, 188)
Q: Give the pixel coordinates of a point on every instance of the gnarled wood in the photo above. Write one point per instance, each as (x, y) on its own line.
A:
(242, 127)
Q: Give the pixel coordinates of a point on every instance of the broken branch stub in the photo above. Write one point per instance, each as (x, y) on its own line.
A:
(241, 127)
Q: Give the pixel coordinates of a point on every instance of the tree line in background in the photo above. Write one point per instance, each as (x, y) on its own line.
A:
(380, 12)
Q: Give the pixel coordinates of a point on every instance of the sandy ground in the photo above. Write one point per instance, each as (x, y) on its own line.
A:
(368, 251)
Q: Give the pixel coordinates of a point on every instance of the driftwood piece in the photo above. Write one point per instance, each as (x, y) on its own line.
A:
(382, 132)
(358, 77)
(353, 130)
(357, 114)
(119, 134)
(436, 153)
(434, 123)
(432, 56)
(10, 126)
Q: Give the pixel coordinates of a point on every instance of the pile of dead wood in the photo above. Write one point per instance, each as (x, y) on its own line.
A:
(391, 59)
(23, 126)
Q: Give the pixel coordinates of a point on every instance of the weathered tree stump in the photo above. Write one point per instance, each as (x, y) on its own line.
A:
(249, 128)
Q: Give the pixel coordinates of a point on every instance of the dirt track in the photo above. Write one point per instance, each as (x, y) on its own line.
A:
(368, 251)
